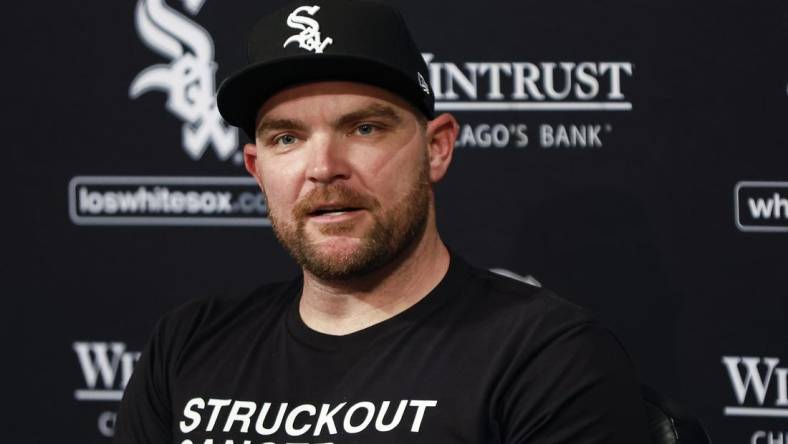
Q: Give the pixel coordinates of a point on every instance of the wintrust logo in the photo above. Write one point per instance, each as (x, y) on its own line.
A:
(528, 86)
(760, 389)
(309, 37)
(188, 79)
(106, 368)
(761, 206)
(586, 87)
(760, 386)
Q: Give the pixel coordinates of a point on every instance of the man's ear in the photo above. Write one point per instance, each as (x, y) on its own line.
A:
(441, 135)
(250, 162)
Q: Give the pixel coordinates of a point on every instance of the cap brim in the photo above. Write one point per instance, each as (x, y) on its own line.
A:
(241, 95)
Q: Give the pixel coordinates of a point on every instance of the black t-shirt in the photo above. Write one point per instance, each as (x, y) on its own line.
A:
(481, 359)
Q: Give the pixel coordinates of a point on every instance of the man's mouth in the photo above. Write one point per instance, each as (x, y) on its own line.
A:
(333, 210)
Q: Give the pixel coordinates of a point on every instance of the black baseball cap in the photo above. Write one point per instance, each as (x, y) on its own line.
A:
(306, 41)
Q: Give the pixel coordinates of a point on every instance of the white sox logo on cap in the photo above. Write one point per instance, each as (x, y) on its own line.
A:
(361, 41)
(309, 37)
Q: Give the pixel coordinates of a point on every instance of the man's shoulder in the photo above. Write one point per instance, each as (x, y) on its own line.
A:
(523, 297)
(495, 305)
(210, 313)
(528, 321)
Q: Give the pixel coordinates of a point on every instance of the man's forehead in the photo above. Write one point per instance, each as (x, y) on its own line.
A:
(335, 98)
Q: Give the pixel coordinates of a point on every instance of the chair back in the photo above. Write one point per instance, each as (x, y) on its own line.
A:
(669, 423)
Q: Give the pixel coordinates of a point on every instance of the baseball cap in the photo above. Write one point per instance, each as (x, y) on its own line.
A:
(306, 41)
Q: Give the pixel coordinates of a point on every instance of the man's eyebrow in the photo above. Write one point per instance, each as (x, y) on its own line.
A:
(368, 112)
(268, 124)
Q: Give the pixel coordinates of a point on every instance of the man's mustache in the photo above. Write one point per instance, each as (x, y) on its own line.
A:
(333, 196)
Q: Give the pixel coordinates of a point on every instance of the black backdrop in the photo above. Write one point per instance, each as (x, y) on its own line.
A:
(663, 209)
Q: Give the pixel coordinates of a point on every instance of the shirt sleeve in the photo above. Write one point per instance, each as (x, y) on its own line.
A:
(144, 416)
(577, 387)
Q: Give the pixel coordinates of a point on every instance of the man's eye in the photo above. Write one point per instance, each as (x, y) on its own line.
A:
(285, 139)
(366, 129)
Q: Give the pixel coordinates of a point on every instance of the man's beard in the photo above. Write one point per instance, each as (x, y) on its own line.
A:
(392, 232)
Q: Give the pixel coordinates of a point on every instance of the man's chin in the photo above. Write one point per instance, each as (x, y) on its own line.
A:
(336, 259)
(339, 256)
(333, 247)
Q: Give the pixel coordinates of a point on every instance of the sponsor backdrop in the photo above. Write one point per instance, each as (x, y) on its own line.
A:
(631, 155)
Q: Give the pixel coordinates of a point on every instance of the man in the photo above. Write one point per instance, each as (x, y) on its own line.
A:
(387, 337)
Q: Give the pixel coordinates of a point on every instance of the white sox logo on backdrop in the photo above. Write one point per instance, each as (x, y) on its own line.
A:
(189, 79)
(309, 37)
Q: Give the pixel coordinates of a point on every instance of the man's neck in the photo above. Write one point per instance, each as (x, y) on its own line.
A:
(340, 308)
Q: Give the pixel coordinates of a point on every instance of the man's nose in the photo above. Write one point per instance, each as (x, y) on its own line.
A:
(328, 160)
